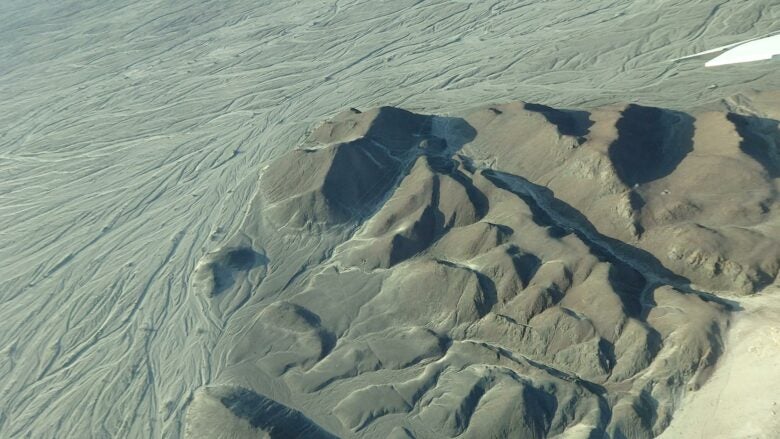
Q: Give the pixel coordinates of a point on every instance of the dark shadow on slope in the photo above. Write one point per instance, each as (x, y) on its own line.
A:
(645, 407)
(401, 130)
(230, 263)
(468, 407)
(542, 407)
(628, 285)
(651, 143)
(489, 292)
(538, 215)
(400, 133)
(526, 264)
(278, 420)
(486, 284)
(431, 227)
(476, 197)
(637, 203)
(343, 172)
(569, 122)
(607, 356)
(421, 235)
(754, 132)
(243, 258)
(357, 176)
(327, 339)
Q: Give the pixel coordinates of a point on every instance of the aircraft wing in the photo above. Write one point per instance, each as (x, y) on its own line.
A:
(707, 52)
(755, 49)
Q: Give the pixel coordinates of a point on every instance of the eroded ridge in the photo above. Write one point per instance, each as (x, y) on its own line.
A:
(497, 275)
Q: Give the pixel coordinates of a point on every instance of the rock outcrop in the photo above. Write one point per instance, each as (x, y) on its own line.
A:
(521, 272)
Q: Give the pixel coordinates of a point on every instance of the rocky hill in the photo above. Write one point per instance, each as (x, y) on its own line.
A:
(520, 271)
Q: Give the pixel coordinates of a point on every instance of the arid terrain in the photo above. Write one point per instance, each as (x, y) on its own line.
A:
(413, 219)
(519, 272)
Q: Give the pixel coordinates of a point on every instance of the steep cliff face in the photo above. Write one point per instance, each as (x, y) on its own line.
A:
(523, 271)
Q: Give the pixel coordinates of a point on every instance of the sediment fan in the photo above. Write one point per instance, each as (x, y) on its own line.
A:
(756, 49)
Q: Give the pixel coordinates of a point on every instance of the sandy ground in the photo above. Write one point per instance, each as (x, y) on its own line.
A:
(742, 398)
(132, 133)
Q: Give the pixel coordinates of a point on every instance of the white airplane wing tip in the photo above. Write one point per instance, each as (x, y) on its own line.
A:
(763, 49)
(771, 37)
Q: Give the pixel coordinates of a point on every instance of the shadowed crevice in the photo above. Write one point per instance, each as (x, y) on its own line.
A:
(278, 420)
(606, 248)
